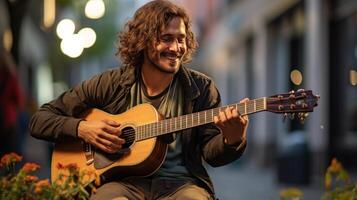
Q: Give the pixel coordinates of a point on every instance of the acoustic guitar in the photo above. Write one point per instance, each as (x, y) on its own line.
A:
(143, 153)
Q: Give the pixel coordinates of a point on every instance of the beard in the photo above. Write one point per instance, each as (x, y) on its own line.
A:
(173, 65)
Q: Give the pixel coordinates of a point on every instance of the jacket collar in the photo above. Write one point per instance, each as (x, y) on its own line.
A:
(189, 84)
(128, 76)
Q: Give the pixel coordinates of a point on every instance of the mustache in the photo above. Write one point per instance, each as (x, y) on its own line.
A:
(172, 54)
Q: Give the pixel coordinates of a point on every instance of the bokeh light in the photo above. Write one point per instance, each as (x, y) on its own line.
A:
(94, 9)
(72, 46)
(296, 77)
(87, 37)
(65, 28)
(7, 39)
(353, 77)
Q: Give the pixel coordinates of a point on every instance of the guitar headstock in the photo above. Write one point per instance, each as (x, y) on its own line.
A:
(301, 102)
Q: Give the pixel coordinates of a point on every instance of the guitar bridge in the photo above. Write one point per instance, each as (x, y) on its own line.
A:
(87, 148)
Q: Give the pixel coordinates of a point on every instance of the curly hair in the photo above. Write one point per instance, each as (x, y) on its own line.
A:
(144, 30)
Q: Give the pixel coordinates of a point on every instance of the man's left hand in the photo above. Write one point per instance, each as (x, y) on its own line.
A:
(232, 124)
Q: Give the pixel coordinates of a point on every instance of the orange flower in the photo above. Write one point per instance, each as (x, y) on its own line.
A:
(90, 172)
(60, 166)
(7, 159)
(335, 166)
(30, 167)
(70, 166)
(87, 176)
(29, 178)
(41, 184)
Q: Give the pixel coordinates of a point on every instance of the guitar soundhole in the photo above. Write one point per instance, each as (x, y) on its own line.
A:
(128, 134)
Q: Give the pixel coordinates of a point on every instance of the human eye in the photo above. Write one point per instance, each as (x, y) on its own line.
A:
(181, 39)
(166, 39)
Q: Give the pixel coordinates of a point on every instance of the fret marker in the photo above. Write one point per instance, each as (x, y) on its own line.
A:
(245, 107)
(180, 122)
(205, 116)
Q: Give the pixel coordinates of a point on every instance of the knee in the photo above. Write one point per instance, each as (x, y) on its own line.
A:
(112, 190)
(193, 192)
(193, 196)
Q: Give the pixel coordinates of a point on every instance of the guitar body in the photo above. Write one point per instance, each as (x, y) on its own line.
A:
(143, 158)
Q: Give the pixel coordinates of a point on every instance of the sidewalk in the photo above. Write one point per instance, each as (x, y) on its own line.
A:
(249, 182)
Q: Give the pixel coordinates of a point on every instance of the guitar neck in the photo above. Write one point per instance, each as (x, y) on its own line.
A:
(196, 119)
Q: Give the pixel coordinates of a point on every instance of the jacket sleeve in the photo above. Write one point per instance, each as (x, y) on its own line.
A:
(214, 150)
(61, 116)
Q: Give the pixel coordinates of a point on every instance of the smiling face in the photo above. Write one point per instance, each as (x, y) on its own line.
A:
(167, 54)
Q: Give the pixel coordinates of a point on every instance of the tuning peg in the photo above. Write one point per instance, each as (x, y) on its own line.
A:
(317, 97)
(280, 107)
(292, 94)
(302, 116)
(285, 116)
(292, 116)
(304, 105)
(302, 92)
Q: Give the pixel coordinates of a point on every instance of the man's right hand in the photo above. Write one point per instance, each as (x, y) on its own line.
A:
(103, 134)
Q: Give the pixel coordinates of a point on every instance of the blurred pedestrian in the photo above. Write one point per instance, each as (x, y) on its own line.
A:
(11, 99)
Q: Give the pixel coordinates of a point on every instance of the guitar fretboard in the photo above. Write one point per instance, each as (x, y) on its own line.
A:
(195, 119)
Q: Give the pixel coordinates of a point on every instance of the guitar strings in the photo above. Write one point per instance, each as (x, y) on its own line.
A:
(130, 136)
(250, 105)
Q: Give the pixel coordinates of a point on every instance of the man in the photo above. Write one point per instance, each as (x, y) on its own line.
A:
(153, 47)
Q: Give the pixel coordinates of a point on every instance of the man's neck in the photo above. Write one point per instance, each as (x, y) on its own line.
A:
(155, 80)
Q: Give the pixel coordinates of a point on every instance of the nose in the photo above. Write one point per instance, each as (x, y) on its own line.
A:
(174, 46)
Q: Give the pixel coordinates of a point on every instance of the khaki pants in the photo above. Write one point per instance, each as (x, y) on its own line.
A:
(151, 189)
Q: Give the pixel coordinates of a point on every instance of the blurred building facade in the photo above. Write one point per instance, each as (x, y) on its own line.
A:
(251, 52)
